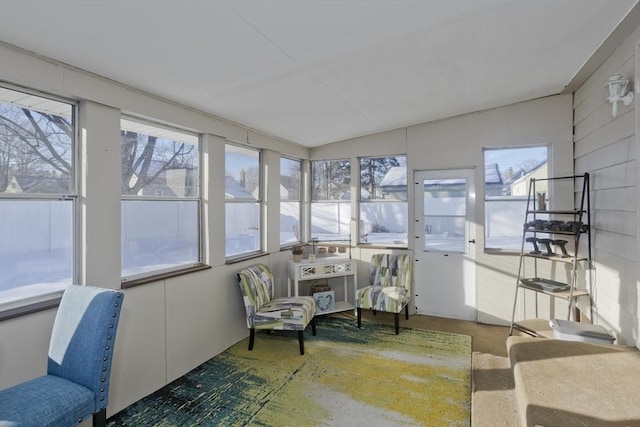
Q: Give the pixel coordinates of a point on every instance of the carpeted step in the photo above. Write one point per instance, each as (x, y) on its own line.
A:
(566, 383)
(493, 401)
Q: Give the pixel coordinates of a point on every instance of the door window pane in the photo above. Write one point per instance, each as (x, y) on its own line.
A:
(445, 207)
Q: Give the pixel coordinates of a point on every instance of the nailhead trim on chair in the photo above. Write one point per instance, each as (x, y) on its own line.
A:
(108, 350)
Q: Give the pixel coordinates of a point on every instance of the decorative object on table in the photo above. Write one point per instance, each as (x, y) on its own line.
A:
(332, 249)
(269, 313)
(389, 289)
(427, 375)
(322, 249)
(326, 301)
(542, 203)
(298, 252)
(312, 257)
(76, 386)
(342, 249)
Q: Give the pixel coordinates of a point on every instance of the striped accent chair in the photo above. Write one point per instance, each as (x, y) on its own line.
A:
(269, 313)
(389, 289)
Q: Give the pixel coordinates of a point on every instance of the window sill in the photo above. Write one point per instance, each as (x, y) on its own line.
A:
(245, 257)
(30, 308)
(162, 276)
(380, 246)
(513, 252)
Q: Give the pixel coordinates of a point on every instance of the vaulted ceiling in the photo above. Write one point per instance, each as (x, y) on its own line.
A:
(315, 72)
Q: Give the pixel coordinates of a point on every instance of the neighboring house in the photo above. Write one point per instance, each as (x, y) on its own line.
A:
(37, 184)
(289, 188)
(520, 185)
(170, 183)
(284, 193)
(233, 190)
(493, 183)
(394, 184)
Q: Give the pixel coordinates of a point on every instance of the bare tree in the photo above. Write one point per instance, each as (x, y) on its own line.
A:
(529, 164)
(331, 179)
(373, 170)
(39, 144)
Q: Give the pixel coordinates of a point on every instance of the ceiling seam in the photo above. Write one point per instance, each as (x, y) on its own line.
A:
(304, 69)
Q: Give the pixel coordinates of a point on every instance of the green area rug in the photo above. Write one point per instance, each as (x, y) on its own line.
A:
(347, 377)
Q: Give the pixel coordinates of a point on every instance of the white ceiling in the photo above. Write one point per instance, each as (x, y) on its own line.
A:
(315, 72)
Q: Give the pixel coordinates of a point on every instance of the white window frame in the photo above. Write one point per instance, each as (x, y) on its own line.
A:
(299, 201)
(259, 201)
(492, 199)
(50, 298)
(362, 233)
(314, 201)
(172, 133)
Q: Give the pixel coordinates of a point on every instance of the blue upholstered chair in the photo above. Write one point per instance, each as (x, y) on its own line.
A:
(389, 289)
(265, 312)
(79, 365)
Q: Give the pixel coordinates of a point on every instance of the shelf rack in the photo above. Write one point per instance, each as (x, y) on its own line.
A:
(542, 221)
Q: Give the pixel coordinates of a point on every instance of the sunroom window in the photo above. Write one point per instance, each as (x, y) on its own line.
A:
(330, 200)
(507, 173)
(383, 201)
(160, 228)
(290, 200)
(37, 196)
(243, 201)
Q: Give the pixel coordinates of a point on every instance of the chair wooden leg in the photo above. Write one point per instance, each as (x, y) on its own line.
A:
(359, 312)
(313, 326)
(301, 341)
(252, 335)
(406, 310)
(375, 312)
(396, 318)
(100, 418)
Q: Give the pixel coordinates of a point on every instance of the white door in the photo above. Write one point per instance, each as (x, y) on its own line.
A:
(445, 268)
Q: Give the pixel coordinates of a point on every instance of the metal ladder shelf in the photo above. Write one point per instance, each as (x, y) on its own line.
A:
(540, 221)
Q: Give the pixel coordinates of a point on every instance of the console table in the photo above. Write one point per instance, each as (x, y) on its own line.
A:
(323, 268)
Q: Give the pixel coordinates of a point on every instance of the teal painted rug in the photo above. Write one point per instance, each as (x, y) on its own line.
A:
(347, 377)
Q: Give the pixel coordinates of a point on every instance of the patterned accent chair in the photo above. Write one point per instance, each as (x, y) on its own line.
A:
(266, 312)
(76, 386)
(389, 289)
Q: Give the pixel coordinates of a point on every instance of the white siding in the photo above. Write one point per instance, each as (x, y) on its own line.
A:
(606, 147)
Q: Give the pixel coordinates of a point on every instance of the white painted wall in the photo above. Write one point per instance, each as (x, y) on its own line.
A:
(167, 327)
(457, 143)
(170, 326)
(607, 148)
